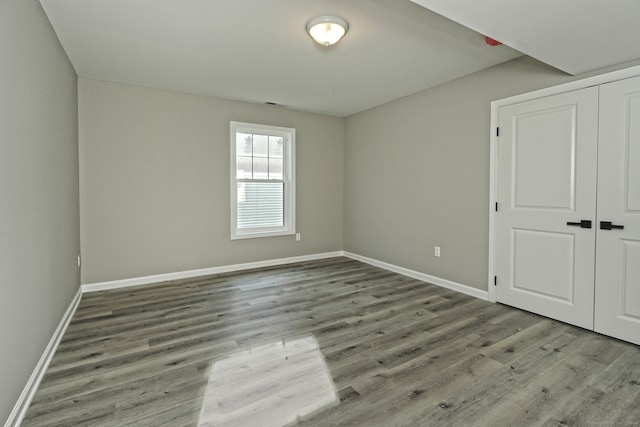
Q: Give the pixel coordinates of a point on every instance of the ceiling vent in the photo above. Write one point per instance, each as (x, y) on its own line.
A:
(274, 104)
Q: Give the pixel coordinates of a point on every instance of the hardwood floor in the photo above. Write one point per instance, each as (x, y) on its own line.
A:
(244, 348)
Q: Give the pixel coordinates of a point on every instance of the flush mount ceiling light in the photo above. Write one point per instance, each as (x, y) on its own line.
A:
(327, 30)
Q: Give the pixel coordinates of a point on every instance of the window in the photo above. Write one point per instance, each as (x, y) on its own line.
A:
(262, 180)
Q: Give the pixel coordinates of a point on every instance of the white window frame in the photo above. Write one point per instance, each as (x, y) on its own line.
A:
(289, 135)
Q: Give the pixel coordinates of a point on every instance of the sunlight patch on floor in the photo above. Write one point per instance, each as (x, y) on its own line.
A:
(270, 385)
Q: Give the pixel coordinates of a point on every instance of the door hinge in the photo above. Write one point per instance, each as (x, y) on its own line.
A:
(496, 206)
(495, 280)
(497, 131)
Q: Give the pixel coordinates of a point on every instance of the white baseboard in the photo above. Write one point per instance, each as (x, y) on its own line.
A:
(454, 286)
(157, 278)
(29, 391)
(145, 280)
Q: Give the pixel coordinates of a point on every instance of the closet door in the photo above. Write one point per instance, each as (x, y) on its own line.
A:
(617, 311)
(547, 167)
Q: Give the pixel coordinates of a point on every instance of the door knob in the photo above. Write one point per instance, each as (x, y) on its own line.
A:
(585, 223)
(607, 225)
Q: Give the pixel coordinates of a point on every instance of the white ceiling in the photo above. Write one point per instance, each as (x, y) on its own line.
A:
(575, 36)
(258, 51)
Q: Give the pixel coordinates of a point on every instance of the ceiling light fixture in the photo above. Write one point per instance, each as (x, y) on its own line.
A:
(327, 30)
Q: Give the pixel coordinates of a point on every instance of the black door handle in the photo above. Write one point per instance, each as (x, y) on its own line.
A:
(607, 225)
(585, 223)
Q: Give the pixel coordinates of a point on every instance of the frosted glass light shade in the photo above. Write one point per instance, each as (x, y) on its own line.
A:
(327, 30)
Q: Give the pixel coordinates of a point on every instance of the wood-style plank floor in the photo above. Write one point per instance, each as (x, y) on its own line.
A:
(398, 352)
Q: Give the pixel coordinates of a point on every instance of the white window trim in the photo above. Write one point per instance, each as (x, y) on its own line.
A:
(289, 135)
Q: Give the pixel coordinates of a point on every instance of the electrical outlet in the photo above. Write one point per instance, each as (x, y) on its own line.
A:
(436, 251)
(298, 236)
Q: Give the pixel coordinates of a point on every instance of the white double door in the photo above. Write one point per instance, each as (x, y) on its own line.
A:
(568, 223)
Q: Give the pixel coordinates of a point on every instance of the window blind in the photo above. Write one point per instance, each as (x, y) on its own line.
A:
(260, 204)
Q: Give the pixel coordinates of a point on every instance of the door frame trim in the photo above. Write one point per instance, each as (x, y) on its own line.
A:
(493, 148)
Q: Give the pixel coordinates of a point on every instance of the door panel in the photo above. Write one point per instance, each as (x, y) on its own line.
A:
(632, 143)
(617, 312)
(630, 291)
(533, 148)
(547, 177)
(554, 251)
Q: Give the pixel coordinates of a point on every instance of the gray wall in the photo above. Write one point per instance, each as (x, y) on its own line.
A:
(39, 219)
(154, 182)
(417, 173)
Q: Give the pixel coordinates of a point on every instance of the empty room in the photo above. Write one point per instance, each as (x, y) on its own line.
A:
(319, 213)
